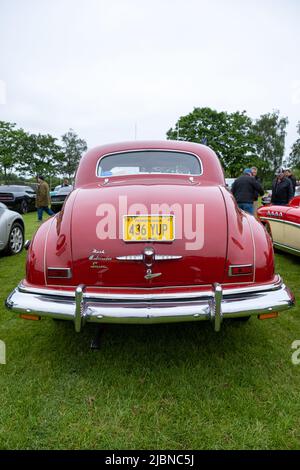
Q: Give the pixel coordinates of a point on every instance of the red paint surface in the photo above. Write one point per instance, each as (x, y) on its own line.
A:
(230, 236)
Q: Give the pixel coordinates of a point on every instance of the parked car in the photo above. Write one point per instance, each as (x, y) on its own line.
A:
(58, 196)
(11, 231)
(283, 224)
(17, 197)
(229, 182)
(54, 191)
(266, 199)
(150, 235)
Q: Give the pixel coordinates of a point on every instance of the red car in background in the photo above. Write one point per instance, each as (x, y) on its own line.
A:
(150, 234)
(283, 224)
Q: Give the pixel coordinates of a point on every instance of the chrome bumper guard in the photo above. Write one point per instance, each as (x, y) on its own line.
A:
(215, 304)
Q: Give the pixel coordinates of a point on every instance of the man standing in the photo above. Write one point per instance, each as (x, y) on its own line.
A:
(42, 198)
(282, 189)
(291, 177)
(245, 189)
(255, 201)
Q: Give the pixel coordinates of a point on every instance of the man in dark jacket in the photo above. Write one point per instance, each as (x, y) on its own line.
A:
(255, 201)
(245, 190)
(292, 178)
(282, 189)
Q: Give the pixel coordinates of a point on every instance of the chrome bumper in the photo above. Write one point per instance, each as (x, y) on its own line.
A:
(215, 305)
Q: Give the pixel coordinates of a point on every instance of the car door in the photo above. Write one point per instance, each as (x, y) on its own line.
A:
(3, 227)
(292, 227)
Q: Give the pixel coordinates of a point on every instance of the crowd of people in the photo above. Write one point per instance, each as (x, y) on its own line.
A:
(248, 187)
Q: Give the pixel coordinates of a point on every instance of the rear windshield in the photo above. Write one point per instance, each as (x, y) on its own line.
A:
(149, 161)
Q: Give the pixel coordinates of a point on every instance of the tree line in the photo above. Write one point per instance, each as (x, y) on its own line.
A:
(240, 141)
(24, 155)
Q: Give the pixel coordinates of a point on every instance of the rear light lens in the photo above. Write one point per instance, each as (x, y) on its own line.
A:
(241, 270)
(59, 273)
(30, 317)
(265, 316)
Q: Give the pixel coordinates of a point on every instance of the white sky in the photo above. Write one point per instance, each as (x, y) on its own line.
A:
(108, 67)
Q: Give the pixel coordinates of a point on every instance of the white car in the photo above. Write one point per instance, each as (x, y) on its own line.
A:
(229, 182)
(11, 231)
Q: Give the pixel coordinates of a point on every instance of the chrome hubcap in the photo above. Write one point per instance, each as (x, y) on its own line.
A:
(16, 240)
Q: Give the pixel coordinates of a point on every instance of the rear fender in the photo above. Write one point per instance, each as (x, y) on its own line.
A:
(248, 243)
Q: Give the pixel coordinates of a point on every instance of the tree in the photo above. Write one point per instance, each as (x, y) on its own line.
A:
(269, 133)
(40, 155)
(35, 154)
(294, 157)
(72, 148)
(230, 135)
(10, 145)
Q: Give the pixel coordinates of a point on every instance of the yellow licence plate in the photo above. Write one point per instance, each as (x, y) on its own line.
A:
(142, 228)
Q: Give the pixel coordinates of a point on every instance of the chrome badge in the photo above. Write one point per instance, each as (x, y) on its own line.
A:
(151, 275)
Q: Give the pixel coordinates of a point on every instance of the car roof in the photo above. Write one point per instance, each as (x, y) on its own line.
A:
(212, 171)
(65, 189)
(14, 187)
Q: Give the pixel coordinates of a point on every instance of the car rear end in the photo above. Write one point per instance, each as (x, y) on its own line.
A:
(151, 248)
(8, 198)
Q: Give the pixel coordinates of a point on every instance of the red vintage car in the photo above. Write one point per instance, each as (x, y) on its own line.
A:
(283, 224)
(150, 234)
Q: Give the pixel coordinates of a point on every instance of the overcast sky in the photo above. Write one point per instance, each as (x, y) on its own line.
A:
(114, 70)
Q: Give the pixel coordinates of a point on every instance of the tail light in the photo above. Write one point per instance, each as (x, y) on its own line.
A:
(59, 273)
(240, 269)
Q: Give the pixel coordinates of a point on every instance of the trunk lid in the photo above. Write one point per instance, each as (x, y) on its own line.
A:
(198, 251)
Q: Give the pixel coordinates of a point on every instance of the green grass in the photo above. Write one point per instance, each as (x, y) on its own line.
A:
(149, 387)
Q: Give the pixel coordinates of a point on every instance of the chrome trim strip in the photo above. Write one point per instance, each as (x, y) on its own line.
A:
(152, 295)
(140, 257)
(281, 221)
(254, 250)
(45, 249)
(166, 257)
(288, 249)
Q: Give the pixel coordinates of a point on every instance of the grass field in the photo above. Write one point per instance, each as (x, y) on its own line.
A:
(149, 387)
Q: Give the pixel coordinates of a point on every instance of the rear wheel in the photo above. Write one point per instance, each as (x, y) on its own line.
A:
(24, 207)
(16, 239)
